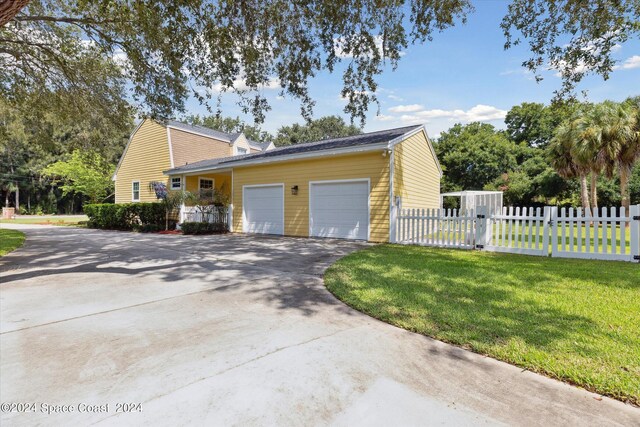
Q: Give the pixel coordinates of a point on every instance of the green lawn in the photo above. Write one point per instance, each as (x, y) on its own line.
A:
(47, 220)
(575, 320)
(10, 240)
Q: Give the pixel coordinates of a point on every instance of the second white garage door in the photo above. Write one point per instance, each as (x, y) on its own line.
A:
(263, 209)
(339, 209)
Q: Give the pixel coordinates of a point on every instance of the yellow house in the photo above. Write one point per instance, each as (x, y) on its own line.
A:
(157, 146)
(349, 187)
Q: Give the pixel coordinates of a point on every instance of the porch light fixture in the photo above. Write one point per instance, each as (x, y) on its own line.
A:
(294, 190)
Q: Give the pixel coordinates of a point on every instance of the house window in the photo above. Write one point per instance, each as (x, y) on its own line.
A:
(241, 150)
(135, 191)
(176, 183)
(206, 184)
(206, 188)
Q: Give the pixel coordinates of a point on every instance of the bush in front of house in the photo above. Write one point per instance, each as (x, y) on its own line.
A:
(126, 216)
(203, 227)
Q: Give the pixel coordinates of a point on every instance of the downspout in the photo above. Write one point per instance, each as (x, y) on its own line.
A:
(393, 210)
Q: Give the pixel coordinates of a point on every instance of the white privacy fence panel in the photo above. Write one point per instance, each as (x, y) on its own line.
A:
(436, 227)
(607, 233)
(519, 230)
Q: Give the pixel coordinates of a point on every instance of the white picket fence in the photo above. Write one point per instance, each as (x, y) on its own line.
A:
(566, 233)
(437, 227)
(211, 214)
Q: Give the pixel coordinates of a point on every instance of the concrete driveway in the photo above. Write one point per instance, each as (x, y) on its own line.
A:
(236, 330)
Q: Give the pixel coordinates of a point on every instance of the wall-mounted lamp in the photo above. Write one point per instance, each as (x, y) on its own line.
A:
(294, 190)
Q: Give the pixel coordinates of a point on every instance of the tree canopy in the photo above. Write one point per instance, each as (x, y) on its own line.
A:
(85, 173)
(473, 155)
(323, 128)
(171, 50)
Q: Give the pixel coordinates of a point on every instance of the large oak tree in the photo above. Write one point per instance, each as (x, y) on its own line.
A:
(173, 49)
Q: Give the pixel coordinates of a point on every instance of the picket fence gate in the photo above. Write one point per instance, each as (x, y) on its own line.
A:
(566, 232)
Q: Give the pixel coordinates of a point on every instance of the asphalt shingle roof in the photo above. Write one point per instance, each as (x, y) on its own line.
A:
(227, 137)
(317, 146)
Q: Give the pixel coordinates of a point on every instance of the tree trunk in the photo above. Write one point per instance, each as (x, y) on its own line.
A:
(9, 9)
(6, 197)
(584, 193)
(17, 199)
(594, 190)
(625, 172)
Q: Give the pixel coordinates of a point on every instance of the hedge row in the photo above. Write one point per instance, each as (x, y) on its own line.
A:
(126, 216)
(203, 227)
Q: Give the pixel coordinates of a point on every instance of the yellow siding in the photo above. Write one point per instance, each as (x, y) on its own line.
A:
(221, 182)
(296, 212)
(416, 177)
(189, 147)
(144, 160)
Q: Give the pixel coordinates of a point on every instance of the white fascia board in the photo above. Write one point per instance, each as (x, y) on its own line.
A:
(422, 128)
(290, 157)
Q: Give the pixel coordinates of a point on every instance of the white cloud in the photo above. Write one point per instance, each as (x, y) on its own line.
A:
(240, 84)
(395, 97)
(406, 108)
(629, 63)
(528, 74)
(478, 113)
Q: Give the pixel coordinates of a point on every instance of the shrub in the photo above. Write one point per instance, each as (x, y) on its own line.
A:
(203, 227)
(125, 216)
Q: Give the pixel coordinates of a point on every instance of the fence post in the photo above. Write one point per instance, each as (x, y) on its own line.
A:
(634, 219)
(393, 222)
(182, 207)
(550, 225)
(482, 230)
(230, 218)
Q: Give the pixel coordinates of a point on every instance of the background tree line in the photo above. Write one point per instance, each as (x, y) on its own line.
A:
(549, 155)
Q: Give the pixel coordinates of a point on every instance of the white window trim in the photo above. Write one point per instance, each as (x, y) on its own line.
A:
(201, 178)
(338, 181)
(244, 215)
(133, 199)
(246, 151)
(179, 185)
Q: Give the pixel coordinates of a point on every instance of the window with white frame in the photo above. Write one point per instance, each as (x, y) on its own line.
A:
(135, 191)
(176, 183)
(205, 185)
(241, 150)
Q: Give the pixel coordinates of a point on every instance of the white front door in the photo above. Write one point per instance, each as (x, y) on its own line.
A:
(339, 209)
(263, 209)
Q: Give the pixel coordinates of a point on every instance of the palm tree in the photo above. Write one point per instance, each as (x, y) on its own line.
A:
(597, 129)
(562, 154)
(625, 135)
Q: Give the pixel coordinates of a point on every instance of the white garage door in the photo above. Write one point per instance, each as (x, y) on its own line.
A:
(339, 209)
(263, 209)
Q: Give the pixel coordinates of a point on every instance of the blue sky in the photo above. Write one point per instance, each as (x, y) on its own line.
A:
(463, 75)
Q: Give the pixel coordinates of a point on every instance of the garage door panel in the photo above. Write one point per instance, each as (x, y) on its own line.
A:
(340, 209)
(263, 209)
